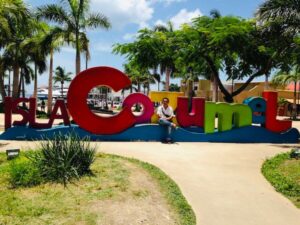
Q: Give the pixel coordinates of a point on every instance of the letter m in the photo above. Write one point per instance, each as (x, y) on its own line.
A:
(229, 115)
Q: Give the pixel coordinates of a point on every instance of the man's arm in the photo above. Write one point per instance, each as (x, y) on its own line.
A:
(172, 114)
(159, 112)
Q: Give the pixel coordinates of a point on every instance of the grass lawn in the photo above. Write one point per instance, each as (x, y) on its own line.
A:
(120, 191)
(284, 174)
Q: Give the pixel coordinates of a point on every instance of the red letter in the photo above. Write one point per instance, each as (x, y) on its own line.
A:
(272, 123)
(11, 106)
(193, 118)
(77, 105)
(143, 100)
(32, 116)
(8, 112)
(59, 104)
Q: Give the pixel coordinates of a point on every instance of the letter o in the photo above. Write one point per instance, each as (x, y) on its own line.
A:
(79, 110)
(145, 101)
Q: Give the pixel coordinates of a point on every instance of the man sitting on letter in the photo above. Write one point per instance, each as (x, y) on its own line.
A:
(166, 115)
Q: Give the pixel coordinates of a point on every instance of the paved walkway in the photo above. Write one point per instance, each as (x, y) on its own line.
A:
(222, 182)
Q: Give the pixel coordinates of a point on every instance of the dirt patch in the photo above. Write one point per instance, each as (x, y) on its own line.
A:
(118, 193)
(142, 203)
(3, 144)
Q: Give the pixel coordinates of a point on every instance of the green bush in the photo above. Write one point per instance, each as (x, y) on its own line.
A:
(23, 173)
(64, 157)
(42, 115)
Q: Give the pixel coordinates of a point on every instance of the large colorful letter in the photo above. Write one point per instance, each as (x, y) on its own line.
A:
(32, 116)
(238, 114)
(272, 123)
(148, 108)
(157, 96)
(60, 104)
(258, 106)
(193, 118)
(78, 107)
(11, 106)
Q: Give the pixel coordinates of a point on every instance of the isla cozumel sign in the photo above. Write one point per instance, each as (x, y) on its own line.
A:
(252, 122)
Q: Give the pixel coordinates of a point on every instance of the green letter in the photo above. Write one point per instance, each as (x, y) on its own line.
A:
(228, 114)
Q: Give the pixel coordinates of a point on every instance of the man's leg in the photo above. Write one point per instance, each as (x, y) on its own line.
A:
(169, 125)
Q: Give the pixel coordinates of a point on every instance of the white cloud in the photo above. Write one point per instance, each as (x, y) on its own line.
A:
(184, 16)
(160, 22)
(167, 2)
(129, 36)
(103, 47)
(124, 12)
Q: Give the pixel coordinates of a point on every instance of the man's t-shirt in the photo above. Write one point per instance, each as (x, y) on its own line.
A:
(165, 113)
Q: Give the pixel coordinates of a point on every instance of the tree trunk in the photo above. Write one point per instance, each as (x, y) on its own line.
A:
(23, 86)
(267, 82)
(62, 89)
(2, 88)
(139, 86)
(168, 74)
(214, 89)
(295, 102)
(148, 89)
(35, 82)
(20, 85)
(9, 84)
(23, 89)
(77, 55)
(16, 78)
(227, 96)
(86, 61)
(49, 105)
(106, 98)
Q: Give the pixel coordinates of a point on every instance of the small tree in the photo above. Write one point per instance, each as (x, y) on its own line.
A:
(237, 47)
(61, 76)
(287, 78)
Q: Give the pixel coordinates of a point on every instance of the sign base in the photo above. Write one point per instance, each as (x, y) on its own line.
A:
(154, 132)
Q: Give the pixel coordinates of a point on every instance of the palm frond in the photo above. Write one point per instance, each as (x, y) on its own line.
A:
(96, 20)
(54, 13)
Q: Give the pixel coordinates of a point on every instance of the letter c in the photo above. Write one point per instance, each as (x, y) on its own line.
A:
(78, 108)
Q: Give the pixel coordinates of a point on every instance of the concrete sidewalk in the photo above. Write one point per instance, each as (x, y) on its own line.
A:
(222, 182)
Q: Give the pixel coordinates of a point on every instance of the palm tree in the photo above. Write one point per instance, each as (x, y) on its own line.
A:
(15, 27)
(287, 78)
(2, 87)
(157, 78)
(37, 54)
(285, 12)
(10, 10)
(61, 76)
(138, 76)
(166, 60)
(214, 14)
(26, 75)
(54, 38)
(75, 18)
(84, 46)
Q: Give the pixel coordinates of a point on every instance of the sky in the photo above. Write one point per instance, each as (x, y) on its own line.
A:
(128, 16)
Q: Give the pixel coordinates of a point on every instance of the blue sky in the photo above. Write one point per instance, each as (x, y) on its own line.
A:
(128, 16)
